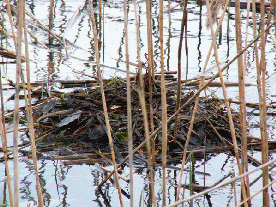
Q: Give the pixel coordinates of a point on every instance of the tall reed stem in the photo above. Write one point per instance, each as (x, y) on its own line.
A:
(20, 10)
(129, 118)
(150, 69)
(93, 22)
(51, 15)
(263, 110)
(241, 72)
(4, 143)
(183, 23)
(163, 101)
(28, 104)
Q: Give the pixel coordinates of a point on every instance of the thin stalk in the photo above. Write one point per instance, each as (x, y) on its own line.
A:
(51, 20)
(150, 68)
(11, 21)
(141, 92)
(263, 110)
(241, 75)
(163, 101)
(246, 29)
(183, 23)
(28, 103)
(129, 118)
(4, 143)
(169, 36)
(20, 11)
(93, 22)
(234, 187)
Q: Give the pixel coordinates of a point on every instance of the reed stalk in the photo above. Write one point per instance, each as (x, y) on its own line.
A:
(150, 69)
(4, 143)
(246, 29)
(241, 75)
(163, 101)
(141, 92)
(93, 22)
(51, 15)
(263, 110)
(28, 104)
(234, 188)
(169, 37)
(129, 117)
(178, 100)
(222, 184)
(20, 12)
(11, 21)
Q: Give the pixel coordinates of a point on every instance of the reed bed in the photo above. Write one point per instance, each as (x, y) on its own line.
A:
(159, 123)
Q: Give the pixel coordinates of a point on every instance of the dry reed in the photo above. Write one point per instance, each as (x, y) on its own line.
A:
(28, 105)
(241, 75)
(263, 110)
(93, 22)
(20, 12)
(163, 102)
(129, 118)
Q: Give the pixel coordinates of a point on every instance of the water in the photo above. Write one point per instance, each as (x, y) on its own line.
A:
(77, 185)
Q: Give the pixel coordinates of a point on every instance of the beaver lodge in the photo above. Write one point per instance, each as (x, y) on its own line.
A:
(71, 126)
